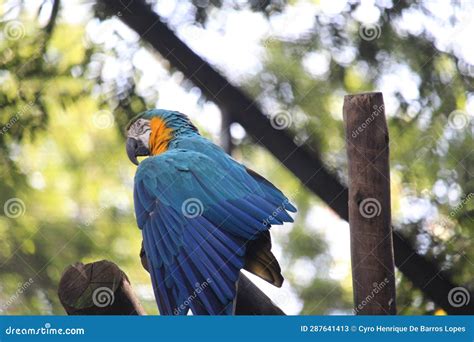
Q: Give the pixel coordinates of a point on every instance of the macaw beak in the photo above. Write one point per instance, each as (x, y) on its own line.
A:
(136, 148)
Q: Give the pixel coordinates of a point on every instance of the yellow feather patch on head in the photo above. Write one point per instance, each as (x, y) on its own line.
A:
(160, 136)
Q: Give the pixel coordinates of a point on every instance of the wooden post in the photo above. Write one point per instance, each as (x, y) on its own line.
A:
(98, 288)
(369, 204)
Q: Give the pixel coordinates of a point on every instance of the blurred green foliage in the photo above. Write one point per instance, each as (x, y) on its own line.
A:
(63, 162)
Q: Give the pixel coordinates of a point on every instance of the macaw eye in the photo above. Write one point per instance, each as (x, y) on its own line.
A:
(143, 130)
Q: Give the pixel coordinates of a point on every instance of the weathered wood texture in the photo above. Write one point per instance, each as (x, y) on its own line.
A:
(98, 288)
(367, 145)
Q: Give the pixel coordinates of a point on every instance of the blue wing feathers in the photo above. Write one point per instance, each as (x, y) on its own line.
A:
(232, 243)
(186, 252)
(221, 291)
(165, 299)
(231, 223)
(232, 255)
(204, 251)
(140, 212)
(247, 220)
(161, 238)
(277, 212)
(247, 206)
(189, 279)
(222, 278)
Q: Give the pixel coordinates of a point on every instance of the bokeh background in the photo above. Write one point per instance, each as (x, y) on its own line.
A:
(71, 75)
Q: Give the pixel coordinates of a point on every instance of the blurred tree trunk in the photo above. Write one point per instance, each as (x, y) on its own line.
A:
(226, 138)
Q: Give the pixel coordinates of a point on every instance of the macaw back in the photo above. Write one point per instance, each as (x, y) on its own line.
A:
(204, 217)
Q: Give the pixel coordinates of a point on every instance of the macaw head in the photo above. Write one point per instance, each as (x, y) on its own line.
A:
(150, 132)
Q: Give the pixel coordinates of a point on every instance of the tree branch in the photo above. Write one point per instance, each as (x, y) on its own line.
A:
(98, 288)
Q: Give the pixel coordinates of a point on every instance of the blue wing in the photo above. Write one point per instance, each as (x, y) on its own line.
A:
(197, 214)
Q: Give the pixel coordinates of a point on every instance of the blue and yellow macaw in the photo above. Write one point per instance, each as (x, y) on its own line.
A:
(203, 215)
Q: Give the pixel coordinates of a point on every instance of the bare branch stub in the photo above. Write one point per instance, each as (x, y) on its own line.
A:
(98, 288)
